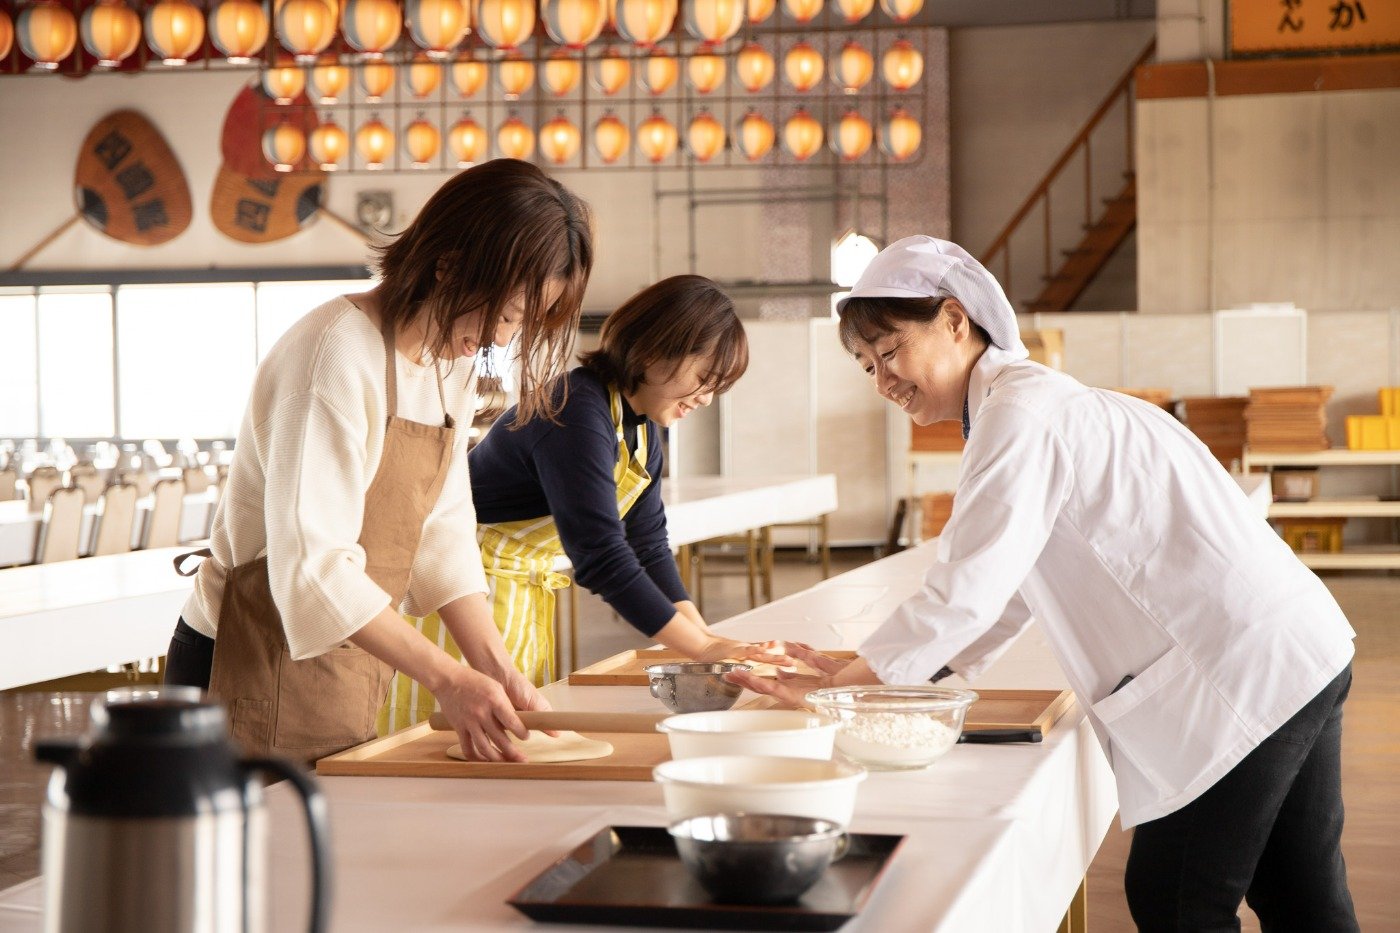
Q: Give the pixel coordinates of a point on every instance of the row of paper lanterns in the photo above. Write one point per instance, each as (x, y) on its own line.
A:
(111, 30)
(560, 139)
(853, 67)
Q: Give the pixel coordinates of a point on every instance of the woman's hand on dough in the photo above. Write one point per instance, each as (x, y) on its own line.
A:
(483, 714)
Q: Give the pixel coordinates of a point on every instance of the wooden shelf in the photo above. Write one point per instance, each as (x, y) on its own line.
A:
(1352, 507)
(1337, 456)
(1359, 558)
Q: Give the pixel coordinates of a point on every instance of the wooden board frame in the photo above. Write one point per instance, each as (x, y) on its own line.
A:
(624, 669)
(996, 709)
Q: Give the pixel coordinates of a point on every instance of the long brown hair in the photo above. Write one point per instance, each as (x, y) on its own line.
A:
(497, 229)
(679, 317)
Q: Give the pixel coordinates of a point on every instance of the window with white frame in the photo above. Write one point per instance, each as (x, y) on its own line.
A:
(282, 304)
(75, 364)
(19, 385)
(186, 358)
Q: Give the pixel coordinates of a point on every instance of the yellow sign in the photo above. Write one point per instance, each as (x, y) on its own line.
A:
(1264, 26)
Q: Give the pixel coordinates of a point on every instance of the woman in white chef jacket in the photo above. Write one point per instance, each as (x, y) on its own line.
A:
(1213, 664)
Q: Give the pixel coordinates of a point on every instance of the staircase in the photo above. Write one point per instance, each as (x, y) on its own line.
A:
(1101, 228)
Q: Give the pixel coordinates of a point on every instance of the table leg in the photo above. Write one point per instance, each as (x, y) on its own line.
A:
(825, 533)
(765, 537)
(751, 563)
(1076, 919)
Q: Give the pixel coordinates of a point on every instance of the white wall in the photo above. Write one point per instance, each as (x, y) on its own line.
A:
(1272, 197)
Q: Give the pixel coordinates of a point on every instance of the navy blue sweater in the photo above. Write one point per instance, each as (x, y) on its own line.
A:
(566, 470)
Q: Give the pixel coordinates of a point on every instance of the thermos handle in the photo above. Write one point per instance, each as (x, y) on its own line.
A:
(314, 804)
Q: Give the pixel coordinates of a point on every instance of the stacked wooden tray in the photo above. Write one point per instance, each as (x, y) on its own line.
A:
(1218, 420)
(1290, 420)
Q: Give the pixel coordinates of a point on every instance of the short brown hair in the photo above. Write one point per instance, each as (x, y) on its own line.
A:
(491, 231)
(872, 318)
(679, 317)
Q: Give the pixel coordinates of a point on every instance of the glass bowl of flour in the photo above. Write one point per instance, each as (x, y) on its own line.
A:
(894, 728)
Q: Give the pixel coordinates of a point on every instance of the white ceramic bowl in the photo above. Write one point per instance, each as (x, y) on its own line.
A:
(771, 732)
(825, 790)
(894, 728)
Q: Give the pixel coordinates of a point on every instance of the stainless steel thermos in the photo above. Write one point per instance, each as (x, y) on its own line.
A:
(153, 822)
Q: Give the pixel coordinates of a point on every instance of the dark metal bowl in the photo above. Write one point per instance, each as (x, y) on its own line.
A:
(757, 858)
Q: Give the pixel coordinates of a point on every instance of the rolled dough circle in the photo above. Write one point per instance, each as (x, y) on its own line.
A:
(540, 748)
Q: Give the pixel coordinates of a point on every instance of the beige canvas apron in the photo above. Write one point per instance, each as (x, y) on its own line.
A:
(318, 706)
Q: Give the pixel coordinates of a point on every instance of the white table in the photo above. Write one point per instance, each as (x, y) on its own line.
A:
(999, 837)
(84, 615)
(702, 507)
(19, 527)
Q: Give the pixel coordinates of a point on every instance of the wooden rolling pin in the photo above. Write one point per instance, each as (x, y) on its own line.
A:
(576, 721)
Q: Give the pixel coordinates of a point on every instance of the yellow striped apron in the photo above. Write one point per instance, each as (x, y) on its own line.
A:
(519, 559)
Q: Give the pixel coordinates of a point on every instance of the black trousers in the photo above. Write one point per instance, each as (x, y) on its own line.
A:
(1269, 832)
(190, 658)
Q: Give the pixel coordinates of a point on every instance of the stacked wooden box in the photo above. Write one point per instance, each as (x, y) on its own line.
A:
(1218, 420)
(936, 508)
(1162, 398)
(1292, 419)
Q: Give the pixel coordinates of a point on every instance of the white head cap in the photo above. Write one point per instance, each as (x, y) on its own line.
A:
(922, 267)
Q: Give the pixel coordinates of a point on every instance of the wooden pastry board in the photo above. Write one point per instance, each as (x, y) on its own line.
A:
(421, 751)
(997, 709)
(625, 669)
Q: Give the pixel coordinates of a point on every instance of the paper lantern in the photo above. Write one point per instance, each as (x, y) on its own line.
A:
(574, 23)
(376, 79)
(612, 72)
(559, 140)
(705, 136)
(562, 73)
(469, 76)
(803, 67)
(853, 136)
(515, 139)
(424, 76)
(284, 82)
(901, 11)
(706, 71)
(239, 29)
(284, 144)
(328, 145)
(802, 135)
(175, 30)
(853, 67)
(371, 27)
(47, 33)
(504, 24)
(305, 27)
(329, 81)
(755, 67)
(375, 143)
(111, 31)
(902, 65)
(759, 10)
(657, 138)
(7, 34)
(900, 135)
(421, 141)
(438, 25)
(467, 140)
(714, 21)
(645, 22)
(515, 75)
(755, 137)
(611, 138)
(853, 11)
(659, 72)
(804, 11)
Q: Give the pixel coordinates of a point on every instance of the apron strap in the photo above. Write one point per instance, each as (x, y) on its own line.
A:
(615, 407)
(202, 553)
(548, 579)
(391, 379)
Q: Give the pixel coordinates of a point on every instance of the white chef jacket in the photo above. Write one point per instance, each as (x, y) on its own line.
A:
(1102, 517)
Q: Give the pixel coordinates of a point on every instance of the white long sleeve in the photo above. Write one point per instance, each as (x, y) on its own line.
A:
(308, 448)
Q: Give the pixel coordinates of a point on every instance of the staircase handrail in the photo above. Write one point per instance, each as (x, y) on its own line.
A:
(1081, 139)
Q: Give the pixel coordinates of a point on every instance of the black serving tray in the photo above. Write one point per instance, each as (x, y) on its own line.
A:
(632, 876)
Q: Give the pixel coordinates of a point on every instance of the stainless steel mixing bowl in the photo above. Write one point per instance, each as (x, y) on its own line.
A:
(757, 858)
(695, 686)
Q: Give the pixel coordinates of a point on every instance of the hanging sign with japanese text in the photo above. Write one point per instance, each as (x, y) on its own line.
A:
(1261, 27)
(128, 183)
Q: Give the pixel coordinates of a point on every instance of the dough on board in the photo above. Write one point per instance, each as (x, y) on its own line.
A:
(540, 748)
